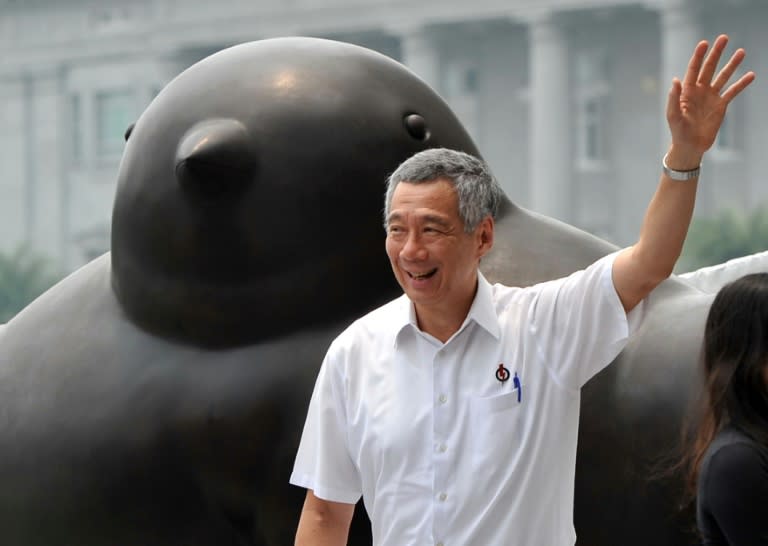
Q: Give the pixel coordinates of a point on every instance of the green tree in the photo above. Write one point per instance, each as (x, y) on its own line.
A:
(727, 235)
(23, 277)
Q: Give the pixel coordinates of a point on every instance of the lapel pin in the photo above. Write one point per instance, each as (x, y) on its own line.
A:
(502, 374)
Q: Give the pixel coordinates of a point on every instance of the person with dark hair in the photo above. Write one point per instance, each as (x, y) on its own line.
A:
(727, 459)
(453, 410)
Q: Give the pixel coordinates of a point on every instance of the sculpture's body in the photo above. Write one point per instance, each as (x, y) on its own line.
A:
(114, 436)
(158, 398)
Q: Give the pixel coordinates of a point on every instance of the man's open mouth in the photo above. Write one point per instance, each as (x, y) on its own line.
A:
(420, 276)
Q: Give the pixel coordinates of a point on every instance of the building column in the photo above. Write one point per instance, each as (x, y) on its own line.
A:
(679, 34)
(550, 120)
(420, 53)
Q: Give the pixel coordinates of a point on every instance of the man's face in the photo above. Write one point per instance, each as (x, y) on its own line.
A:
(433, 258)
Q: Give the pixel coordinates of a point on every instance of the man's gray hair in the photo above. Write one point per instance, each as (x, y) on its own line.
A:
(479, 194)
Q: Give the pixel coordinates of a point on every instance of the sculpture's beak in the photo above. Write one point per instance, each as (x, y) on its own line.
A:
(215, 159)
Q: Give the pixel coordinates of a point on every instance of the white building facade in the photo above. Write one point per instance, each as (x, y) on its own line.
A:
(563, 97)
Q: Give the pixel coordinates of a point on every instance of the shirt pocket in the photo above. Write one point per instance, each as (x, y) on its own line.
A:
(495, 426)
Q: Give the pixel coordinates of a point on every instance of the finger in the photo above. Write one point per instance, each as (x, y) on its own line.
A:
(728, 70)
(673, 100)
(713, 57)
(738, 86)
(694, 65)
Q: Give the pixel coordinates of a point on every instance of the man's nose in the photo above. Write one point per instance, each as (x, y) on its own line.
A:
(413, 249)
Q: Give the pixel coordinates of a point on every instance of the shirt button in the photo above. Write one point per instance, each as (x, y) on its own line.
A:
(443, 399)
(443, 496)
(439, 544)
(442, 448)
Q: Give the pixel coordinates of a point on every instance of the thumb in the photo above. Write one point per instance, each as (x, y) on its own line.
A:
(673, 100)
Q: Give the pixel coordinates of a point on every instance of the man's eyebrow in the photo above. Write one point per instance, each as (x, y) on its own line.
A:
(439, 220)
(427, 218)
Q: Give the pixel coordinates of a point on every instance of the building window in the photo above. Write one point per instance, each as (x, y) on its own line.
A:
(726, 142)
(592, 101)
(724, 139)
(460, 79)
(593, 115)
(729, 143)
(76, 129)
(115, 111)
(460, 87)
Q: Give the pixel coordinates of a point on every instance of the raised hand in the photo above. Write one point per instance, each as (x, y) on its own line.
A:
(696, 106)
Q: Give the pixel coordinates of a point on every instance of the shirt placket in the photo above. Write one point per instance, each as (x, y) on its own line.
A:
(443, 416)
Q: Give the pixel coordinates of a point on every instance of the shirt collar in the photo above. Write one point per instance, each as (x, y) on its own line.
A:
(481, 312)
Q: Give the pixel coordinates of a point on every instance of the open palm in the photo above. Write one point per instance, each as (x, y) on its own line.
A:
(697, 105)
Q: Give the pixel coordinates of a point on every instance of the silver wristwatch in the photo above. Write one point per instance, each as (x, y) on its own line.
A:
(682, 176)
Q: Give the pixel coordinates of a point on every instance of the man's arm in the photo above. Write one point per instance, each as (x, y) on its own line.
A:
(695, 111)
(323, 523)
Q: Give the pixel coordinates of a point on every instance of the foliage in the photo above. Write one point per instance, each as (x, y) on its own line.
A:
(727, 235)
(23, 277)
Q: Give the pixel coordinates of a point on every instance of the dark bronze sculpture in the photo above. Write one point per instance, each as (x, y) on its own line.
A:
(156, 396)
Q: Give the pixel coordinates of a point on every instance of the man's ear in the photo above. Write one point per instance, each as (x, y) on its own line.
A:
(485, 235)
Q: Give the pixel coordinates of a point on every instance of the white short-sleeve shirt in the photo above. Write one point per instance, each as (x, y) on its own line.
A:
(470, 442)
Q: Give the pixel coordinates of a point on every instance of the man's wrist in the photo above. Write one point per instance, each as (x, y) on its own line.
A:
(679, 175)
(678, 159)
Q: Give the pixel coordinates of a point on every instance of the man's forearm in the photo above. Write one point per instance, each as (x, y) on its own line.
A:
(667, 218)
(313, 532)
(323, 523)
(640, 268)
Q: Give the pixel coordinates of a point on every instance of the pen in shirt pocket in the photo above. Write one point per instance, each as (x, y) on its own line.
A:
(516, 385)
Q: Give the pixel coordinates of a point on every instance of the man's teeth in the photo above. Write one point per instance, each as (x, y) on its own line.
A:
(422, 275)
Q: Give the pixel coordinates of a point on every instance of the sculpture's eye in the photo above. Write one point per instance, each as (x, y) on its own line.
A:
(416, 127)
(128, 131)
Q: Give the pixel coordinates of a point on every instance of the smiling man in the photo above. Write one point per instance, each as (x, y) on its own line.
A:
(453, 410)
(433, 255)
